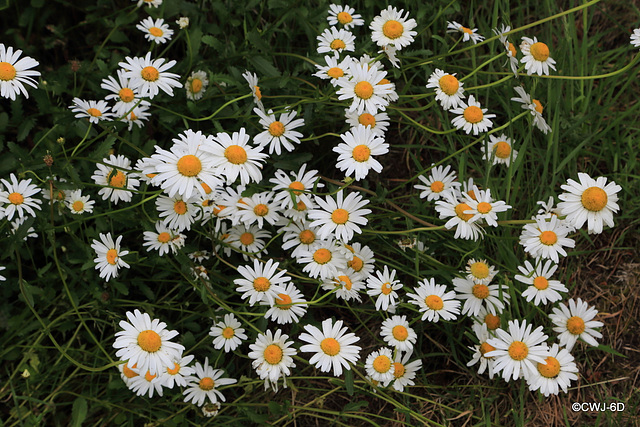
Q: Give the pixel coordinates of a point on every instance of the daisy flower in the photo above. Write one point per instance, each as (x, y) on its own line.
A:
(149, 76)
(536, 57)
(78, 204)
(205, 383)
(384, 287)
(146, 384)
(323, 259)
(18, 197)
(576, 321)
(535, 108)
(177, 213)
(344, 15)
(434, 302)
(210, 409)
(635, 38)
(348, 285)
(15, 72)
(451, 207)
(226, 203)
(249, 239)
(258, 209)
(272, 357)
(17, 224)
(448, 88)
(380, 367)
(363, 88)
(288, 307)
(479, 271)
(439, 181)
(163, 239)
(278, 133)
(557, 372)
(404, 371)
(176, 374)
(391, 51)
(357, 151)
(484, 207)
(360, 258)
(471, 117)
(397, 333)
(517, 351)
(334, 40)
(196, 85)
(184, 168)
(94, 110)
(467, 33)
(155, 31)
(480, 350)
(150, 3)
(261, 283)
(109, 258)
(590, 201)
(340, 217)
(147, 343)
(298, 234)
(546, 238)
(508, 47)
(183, 22)
(127, 373)
(123, 93)
(541, 290)
(391, 28)
(227, 333)
(234, 157)
(499, 149)
(478, 295)
(252, 80)
(115, 177)
(334, 68)
(485, 317)
(332, 346)
(378, 123)
(293, 189)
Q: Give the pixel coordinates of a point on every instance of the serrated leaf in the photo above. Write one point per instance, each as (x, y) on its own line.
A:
(25, 127)
(20, 152)
(79, 412)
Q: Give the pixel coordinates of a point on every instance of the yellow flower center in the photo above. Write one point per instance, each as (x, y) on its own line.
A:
(361, 153)
(196, 85)
(363, 90)
(335, 72)
(344, 18)
(594, 199)
(449, 84)
(472, 194)
(480, 291)
(246, 238)
(367, 119)
(575, 325)
(175, 370)
(392, 29)
(7, 71)
(541, 283)
(276, 129)
(479, 270)
(126, 94)
(386, 288)
(346, 280)
(261, 284)
(460, 208)
(206, 384)
(236, 154)
(133, 117)
(484, 207)
(189, 165)
(398, 370)
(473, 114)
(492, 321)
(518, 350)
(322, 256)
(400, 333)
(382, 364)
(437, 186)
(156, 32)
(180, 207)
(164, 237)
(206, 188)
(356, 264)
(128, 372)
(117, 179)
(16, 198)
(273, 354)
(283, 301)
(257, 93)
(434, 302)
(502, 150)
(150, 74)
(77, 206)
(94, 112)
(337, 44)
(307, 237)
(384, 82)
(549, 369)
(340, 216)
(466, 30)
(539, 51)
(261, 209)
(548, 238)
(512, 50)
(330, 346)
(538, 105)
(148, 376)
(112, 256)
(485, 348)
(149, 341)
(228, 332)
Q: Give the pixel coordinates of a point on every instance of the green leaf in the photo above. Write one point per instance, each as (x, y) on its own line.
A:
(263, 66)
(355, 406)
(25, 127)
(4, 120)
(348, 381)
(79, 412)
(609, 350)
(37, 3)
